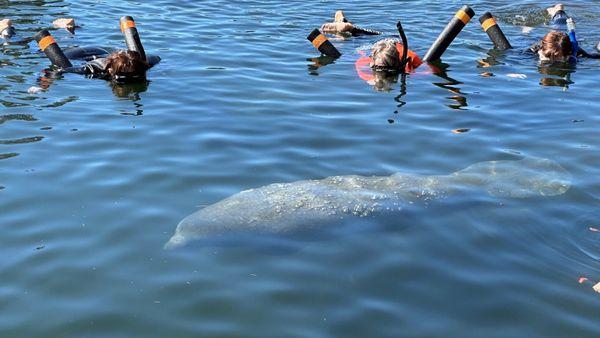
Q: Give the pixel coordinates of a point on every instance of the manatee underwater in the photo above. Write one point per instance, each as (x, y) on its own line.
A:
(286, 207)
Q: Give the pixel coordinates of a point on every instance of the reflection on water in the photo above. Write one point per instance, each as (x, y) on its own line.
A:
(8, 155)
(452, 85)
(560, 74)
(130, 90)
(319, 62)
(492, 58)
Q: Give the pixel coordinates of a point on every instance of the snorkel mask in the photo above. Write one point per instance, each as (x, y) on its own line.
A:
(122, 78)
(400, 67)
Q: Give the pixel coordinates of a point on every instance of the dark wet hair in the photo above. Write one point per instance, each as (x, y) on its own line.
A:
(556, 46)
(126, 65)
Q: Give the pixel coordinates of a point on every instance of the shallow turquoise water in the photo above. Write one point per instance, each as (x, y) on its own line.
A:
(94, 180)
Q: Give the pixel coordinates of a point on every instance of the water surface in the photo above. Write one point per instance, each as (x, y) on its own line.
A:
(94, 178)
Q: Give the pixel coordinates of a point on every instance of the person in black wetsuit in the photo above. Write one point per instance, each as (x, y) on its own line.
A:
(7, 31)
(118, 66)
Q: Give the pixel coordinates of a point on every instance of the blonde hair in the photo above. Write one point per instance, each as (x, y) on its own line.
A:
(385, 56)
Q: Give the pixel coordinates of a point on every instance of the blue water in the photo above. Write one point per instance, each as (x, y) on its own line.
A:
(94, 179)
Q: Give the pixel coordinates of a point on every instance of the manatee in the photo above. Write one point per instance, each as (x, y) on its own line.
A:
(287, 207)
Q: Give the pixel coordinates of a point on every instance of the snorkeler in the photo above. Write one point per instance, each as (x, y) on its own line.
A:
(10, 37)
(119, 66)
(390, 58)
(7, 30)
(558, 46)
(341, 26)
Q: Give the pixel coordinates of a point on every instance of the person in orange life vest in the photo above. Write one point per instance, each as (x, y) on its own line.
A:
(386, 61)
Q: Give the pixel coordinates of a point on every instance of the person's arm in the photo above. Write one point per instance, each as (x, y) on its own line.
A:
(357, 31)
(585, 54)
(535, 48)
(86, 53)
(337, 27)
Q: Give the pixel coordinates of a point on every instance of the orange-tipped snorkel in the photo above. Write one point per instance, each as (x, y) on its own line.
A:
(490, 26)
(320, 42)
(49, 46)
(454, 27)
(132, 37)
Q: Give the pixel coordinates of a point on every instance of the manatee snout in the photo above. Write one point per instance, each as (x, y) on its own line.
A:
(176, 241)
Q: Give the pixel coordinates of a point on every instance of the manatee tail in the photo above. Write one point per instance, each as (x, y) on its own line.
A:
(523, 178)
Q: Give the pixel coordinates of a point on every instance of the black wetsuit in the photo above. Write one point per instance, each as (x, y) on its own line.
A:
(357, 31)
(95, 58)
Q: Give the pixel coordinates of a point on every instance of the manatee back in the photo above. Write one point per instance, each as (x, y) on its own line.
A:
(528, 177)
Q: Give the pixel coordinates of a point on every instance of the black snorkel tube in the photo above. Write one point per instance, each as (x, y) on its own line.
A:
(49, 46)
(132, 37)
(404, 60)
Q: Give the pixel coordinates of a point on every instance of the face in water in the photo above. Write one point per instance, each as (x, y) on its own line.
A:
(555, 46)
(126, 66)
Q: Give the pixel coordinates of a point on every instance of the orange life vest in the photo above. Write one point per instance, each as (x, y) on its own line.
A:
(364, 71)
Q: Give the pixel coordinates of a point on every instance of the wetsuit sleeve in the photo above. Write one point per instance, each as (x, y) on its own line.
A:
(152, 60)
(75, 70)
(97, 68)
(86, 53)
(585, 54)
(357, 31)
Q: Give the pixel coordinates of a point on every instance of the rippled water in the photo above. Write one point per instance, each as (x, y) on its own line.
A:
(94, 179)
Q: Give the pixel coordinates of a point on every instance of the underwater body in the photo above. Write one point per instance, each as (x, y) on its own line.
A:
(95, 177)
(285, 207)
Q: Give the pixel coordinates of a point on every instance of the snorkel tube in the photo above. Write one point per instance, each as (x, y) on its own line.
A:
(490, 26)
(319, 40)
(49, 46)
(404, 59)
(458, 22)
(132, 37)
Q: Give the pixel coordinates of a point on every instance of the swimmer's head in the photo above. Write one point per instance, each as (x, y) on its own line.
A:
(385, 56)
(126, 66)
(555, 46)
(6, 29)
